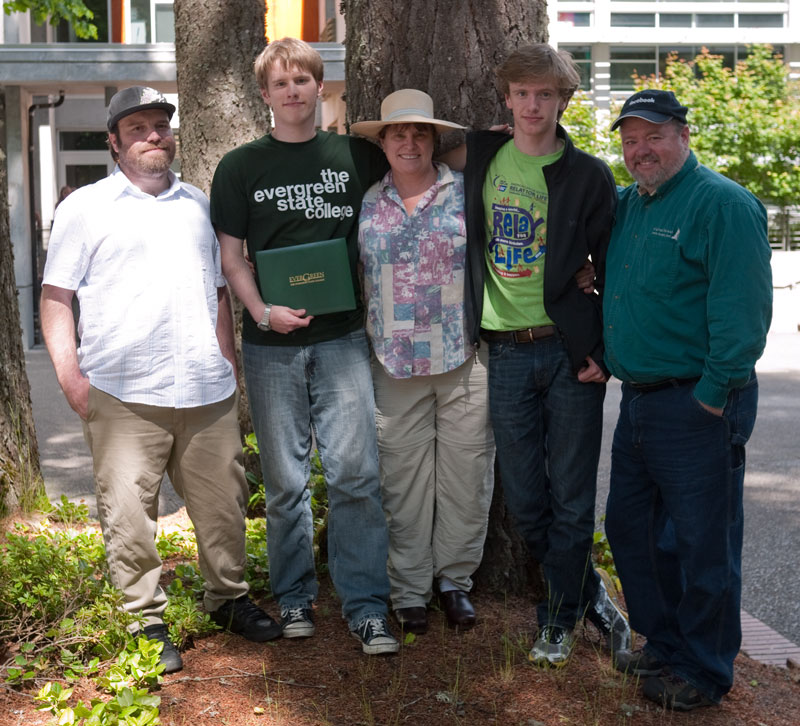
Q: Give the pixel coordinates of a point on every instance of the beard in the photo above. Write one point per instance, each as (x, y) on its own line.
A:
(147, 163)
(650, 181)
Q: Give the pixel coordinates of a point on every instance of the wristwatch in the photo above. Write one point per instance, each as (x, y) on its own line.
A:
(263, 324)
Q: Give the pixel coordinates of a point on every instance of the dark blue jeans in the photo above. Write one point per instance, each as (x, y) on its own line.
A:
(547, 429)
(674, 522)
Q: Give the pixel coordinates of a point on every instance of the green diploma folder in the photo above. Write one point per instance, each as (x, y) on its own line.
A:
(315, 276)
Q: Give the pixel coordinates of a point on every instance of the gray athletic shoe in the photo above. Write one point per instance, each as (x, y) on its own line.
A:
(553, 646)
(608, 617)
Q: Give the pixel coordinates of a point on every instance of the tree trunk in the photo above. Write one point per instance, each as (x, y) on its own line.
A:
(216, 42)
(20, 478)
(448, 49)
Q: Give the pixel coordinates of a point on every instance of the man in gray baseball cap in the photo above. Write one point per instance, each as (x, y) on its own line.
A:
(135, 99)
(154, 376)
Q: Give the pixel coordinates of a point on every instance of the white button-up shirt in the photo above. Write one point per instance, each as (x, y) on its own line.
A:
(146, 271)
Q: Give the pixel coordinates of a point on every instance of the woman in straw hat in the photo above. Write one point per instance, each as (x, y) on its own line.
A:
(434, 438)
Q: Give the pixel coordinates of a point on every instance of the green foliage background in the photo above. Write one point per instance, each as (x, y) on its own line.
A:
(745, 122)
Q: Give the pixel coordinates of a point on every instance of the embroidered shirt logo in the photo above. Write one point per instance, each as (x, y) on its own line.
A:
(667, 233)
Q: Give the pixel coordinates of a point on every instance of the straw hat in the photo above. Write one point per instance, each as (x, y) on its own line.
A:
(407, 106)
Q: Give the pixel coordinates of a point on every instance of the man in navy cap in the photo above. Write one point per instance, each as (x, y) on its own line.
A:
(153, 378)
(688, 302)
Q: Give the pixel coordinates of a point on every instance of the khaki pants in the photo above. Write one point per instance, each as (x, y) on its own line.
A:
(200, 449)
(436, 455)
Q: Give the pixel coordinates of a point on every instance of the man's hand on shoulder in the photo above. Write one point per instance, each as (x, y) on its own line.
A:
(591, 372)
(285, 320)
(584, 277)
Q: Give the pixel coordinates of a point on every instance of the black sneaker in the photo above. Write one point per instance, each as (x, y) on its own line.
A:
(297, 622)
(170, 658)
(675, 693)
(608, 617)
(375, 637)
(638, 663)
(244, 617)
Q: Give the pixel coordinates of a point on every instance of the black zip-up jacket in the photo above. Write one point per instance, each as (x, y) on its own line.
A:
(582, 200)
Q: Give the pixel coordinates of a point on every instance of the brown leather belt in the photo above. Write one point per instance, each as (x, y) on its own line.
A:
(661, 385)
(526, 335)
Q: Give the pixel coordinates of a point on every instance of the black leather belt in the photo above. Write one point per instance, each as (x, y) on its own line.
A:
(526, 335)
(661, 385)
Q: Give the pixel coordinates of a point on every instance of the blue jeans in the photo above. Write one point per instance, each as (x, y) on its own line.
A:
(326, 387)
(674, 522)
(547, 429)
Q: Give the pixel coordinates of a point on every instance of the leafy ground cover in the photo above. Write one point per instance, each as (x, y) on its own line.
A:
(443, 677)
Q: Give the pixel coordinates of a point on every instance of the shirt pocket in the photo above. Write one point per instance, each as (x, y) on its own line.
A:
(658, 267)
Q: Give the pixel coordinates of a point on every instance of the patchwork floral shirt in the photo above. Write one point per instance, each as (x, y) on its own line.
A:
(412, 270)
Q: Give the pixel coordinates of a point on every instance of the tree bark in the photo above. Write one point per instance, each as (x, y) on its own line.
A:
(20, 477)
(216, 43)
(448, 49)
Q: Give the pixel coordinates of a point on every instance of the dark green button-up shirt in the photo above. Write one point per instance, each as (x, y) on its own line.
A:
(688, 284)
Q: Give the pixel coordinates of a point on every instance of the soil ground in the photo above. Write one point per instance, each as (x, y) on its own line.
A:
(444, 677)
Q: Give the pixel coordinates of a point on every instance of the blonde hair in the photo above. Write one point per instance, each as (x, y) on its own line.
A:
(539, 61)
(288, 53)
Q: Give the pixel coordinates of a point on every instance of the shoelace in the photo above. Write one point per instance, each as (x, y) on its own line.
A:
(552, 635)
(377, 625)
(293, 613)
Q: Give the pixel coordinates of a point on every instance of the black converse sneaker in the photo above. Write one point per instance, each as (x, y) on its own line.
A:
(297, 622)
(375, 636)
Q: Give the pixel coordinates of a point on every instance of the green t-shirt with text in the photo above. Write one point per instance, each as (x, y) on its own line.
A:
(515, 200)
(278, 194)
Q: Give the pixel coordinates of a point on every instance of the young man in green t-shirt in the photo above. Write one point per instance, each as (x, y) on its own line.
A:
(298, 185)
(537, 208)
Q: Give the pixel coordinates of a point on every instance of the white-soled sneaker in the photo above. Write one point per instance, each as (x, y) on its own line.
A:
(375, 637)
(553, 646)
(297, 622)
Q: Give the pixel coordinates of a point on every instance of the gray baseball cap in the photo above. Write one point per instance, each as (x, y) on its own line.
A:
(133, 99)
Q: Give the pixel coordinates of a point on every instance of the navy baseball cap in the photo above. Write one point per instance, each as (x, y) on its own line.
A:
(133, 99)
(652, 105)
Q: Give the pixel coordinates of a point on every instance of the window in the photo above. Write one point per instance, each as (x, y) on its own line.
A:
(716, 20)
(633, 20)
(65, 33)
(627, 62)
(676, 20)
(752, 20)
(576, 20)
(151, 21)
(582, 55)
(82, 141)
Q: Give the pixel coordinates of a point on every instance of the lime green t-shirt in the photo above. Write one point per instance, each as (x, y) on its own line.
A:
(515, 200)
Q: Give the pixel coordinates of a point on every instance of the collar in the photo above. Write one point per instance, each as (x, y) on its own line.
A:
(688, 167)
(121, 185)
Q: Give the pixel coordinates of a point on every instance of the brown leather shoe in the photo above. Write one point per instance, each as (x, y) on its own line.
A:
(412, 620)
(458, 608)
